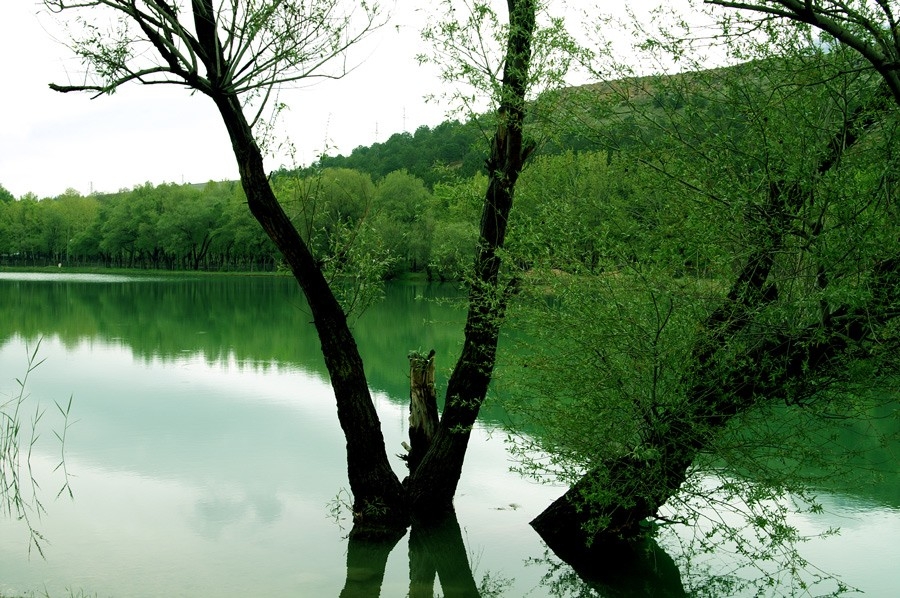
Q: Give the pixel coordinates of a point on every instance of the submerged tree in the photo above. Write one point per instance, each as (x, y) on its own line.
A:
(237, 54)
(764, 275)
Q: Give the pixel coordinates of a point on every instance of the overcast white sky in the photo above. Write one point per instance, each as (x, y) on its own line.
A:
(51, 141)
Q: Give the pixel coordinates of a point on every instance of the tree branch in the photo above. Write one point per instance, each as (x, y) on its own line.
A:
(877, 51)
(105, 89)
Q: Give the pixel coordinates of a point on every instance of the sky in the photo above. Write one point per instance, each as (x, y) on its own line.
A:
(50, 142)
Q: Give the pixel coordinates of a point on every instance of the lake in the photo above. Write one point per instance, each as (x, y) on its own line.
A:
(205, 455)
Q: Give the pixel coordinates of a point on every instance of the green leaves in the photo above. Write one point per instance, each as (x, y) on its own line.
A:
(469, 44)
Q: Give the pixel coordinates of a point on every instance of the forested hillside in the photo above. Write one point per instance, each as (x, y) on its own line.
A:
(429, 154)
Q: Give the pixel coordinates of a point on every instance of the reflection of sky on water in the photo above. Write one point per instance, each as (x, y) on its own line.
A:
(69, 277)
(196, 478)
(212, 477)
(866, 552)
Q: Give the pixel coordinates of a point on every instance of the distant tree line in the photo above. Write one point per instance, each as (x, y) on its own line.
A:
(208, 227)
(450, 144)
(167, 226)
(452, 147)
(349, 219)
(411, 203)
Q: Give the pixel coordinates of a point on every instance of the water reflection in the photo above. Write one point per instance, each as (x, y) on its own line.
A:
(213, 514)
(207, 448)
(436, 552)
(259, 321)
(436, 549)
(612, 570)
(621, 571)
(438, 559)
(204, 475)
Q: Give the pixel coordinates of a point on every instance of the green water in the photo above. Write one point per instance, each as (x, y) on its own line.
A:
(206, 453)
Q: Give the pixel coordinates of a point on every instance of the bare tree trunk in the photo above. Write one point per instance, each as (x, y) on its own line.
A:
(423, 413)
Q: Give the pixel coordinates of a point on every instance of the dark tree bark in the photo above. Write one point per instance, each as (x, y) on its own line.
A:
(433, 484)
(379, 502)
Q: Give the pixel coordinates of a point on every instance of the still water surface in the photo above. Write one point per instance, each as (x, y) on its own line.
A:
(206, 449)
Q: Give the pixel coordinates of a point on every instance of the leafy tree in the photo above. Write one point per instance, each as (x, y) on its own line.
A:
(326, 205)
(241, 242)
(869, 28)
(402, 207)
(459, 145)
(189, 222)
(781, 168)
(455, 234)
(23, 227)
(5, 225)
(6, 196)
(130, 231)
(212, 49)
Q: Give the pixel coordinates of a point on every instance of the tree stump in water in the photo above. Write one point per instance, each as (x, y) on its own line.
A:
(423, 415)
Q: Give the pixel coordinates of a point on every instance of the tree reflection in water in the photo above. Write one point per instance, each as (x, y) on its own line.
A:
(437, 552)
(621, 570)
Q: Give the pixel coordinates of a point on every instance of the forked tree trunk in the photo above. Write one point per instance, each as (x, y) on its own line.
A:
(433, 484)
(379, 498)
(186, 38)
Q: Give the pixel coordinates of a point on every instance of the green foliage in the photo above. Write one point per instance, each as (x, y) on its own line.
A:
(470, 53)
(6, 196)
(404, 220)
(356, 228)
(166, 226)
(324, 205)
(452, 146)
(600, 355)
(455, 238)
(681, 337)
